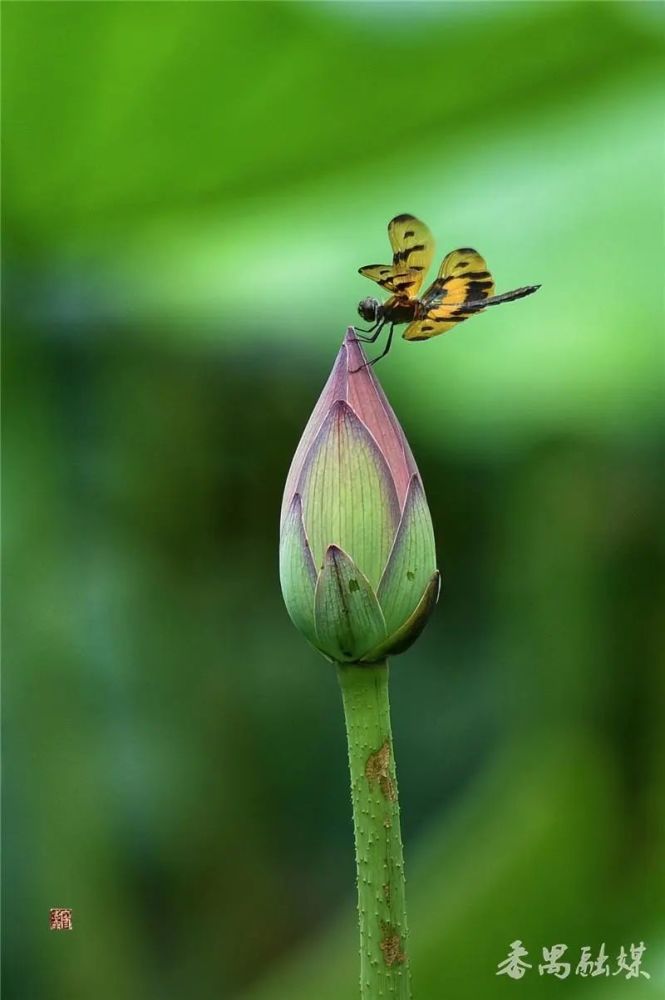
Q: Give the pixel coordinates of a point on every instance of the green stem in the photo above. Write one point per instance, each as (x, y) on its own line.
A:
(384, 968)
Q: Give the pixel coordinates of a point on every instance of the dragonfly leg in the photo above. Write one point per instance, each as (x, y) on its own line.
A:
(374, 330)
(387, 347)
(368, 364)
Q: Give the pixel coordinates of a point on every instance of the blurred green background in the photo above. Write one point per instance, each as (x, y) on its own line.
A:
(189, 189)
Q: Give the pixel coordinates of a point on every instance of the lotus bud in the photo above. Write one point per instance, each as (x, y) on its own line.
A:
(357, 555)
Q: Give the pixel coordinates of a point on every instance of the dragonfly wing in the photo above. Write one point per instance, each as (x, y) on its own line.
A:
(398, 281)
(413, 249)
(463, 278)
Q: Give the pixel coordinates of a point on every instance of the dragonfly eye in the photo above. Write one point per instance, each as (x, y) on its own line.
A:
(367, 310)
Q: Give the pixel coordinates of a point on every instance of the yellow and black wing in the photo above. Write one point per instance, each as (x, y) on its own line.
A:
(463, 278)
(413, 249)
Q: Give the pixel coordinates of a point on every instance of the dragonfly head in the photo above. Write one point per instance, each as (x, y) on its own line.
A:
(368, 309)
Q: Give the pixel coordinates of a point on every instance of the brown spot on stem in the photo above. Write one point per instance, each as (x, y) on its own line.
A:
(377, 768)
(391, 945)
(386, 891)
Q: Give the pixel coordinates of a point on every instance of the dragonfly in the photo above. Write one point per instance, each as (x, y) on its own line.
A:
(462, 288)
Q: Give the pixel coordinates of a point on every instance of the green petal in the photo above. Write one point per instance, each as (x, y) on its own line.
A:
(412, 627)
(297, 572)
(412, 560)
(348, 617)
(349, 497)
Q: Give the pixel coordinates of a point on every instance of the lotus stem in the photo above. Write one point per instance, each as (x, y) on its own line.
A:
(384, 966)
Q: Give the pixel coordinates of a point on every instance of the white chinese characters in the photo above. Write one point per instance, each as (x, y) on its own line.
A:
(513, 966)
(627, 963)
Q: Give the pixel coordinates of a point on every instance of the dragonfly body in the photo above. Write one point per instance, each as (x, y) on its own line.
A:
(395, 310)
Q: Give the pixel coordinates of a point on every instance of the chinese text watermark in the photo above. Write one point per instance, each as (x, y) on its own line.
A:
(60, 919)
(628, 963)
